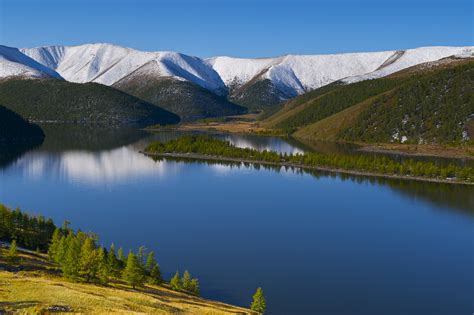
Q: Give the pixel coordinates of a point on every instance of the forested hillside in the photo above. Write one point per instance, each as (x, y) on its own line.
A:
(14, 128)
(427, 104)
(61, 101)
(434, 108)
(186, 99)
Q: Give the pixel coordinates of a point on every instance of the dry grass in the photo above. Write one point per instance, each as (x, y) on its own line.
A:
(33, 292)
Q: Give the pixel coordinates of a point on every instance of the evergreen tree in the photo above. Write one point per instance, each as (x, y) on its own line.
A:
(258, 304)
(89, 260)
(13, 253)
(104, 269)
(150, 262)
(113, 262)
(195, 287)
(155, 275)
(121, 256)
(141, 255)
(186, 281)
(70, 260)
(54, 244)
(175, 282)
(133, 272)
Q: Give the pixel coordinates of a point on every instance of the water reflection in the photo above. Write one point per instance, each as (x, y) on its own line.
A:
(236, 226)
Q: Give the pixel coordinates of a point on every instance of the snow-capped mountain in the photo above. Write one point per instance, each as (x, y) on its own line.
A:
(13, 63)
(107, 64)
(240, 78)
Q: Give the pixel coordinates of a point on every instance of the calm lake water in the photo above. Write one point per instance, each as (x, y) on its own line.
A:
(317, 243)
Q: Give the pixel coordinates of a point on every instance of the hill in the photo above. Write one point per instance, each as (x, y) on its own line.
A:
(36, 288)
(189, 101)
(430, 103)
(62, 101)
(14, 128)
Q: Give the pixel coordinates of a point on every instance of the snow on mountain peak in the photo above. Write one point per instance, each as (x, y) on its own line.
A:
(13, 63)
(290, 74)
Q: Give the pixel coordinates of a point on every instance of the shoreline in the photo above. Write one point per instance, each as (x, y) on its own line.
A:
(253, 128)
(192, 156)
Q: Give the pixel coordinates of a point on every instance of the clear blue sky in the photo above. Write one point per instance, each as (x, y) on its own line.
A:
(246, 28)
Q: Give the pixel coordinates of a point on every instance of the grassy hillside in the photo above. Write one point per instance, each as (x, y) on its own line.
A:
(55, 100)
(188, 100)
(36, 288)
(431, 103)
(14, 128)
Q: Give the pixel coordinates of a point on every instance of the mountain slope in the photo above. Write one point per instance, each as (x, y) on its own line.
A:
(429, 103)
(14, 128)
(255, 83)
(258, 83)
(188, 100)
(14, 63)
(61, 101)
(107, 64)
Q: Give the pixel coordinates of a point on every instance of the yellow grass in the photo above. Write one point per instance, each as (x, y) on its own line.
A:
(33, 292)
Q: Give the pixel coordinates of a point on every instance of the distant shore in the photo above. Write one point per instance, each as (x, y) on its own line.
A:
(192, 156)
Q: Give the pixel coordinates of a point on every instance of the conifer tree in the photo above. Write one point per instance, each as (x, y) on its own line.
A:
(141, 255)
(175, 282)
(155, 275)
(113, 262)
(121, 256)
(186, 281)
(54, 244)
(195, 287)
(89, 262)
(258, 304)
(70, 259)
(133, 272)
(60, 253)
(104, 269)
(13, 253)
(150, 262)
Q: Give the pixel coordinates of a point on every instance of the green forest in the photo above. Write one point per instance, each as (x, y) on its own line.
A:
(208, 146)
(61, 101)
(432, 109)
(14, 128)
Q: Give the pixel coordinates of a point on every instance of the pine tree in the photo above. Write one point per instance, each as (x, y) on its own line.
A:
(186, 281)
(141, 255)
(104, 270)
(155, 275)
(150, 262)
(195, 287)
(133, 272)
(89, 262)
(175, 282)
(121, 256)
(258, 304)
(54, 244)
(69, 262)
(13, 253)
(113, 262)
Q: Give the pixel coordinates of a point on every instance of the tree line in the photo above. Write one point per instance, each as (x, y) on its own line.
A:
(80, 257)
(205, 145)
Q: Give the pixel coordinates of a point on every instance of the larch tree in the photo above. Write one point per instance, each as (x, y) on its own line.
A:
(175, 282)
(133, 272)
(258, 303)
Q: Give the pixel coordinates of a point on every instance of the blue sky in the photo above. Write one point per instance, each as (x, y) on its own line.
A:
(243, 28)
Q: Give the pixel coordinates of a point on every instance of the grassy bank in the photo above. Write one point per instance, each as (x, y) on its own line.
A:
(36, 287)
(202, 147)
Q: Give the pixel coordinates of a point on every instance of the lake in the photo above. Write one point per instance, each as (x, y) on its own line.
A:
(317, 243)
